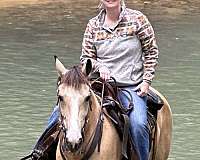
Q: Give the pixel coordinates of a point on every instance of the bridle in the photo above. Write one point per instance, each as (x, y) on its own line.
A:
(62, 117)
(95, 138)
(63, 128)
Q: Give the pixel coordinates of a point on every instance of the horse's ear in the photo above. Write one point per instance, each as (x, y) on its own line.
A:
(87, 67)
(59, 66)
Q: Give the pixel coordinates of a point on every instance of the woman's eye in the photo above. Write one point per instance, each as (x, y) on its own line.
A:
(87, 98)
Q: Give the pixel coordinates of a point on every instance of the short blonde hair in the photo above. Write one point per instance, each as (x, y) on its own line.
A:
(100, 6)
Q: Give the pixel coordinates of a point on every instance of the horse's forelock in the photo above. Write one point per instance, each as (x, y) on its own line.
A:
(74, 77)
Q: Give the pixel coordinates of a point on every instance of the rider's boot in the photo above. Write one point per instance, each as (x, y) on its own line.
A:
(45, 148)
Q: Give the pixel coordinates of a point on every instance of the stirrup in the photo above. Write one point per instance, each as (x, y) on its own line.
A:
(37, 154)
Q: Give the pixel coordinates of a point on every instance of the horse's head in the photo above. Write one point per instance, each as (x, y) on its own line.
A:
(74, 96)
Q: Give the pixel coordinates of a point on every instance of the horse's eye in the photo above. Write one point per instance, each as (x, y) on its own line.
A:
(60, 98)
(87, 98)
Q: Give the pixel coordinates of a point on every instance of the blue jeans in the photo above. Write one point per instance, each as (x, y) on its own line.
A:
(138, 120)
(54, 117)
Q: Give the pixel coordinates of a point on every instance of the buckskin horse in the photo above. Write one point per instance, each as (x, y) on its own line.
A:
(86, 133)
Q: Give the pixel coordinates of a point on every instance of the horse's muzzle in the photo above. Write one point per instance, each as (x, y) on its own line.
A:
(73, 147)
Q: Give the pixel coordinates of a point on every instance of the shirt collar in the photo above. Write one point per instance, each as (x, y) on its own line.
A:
(102, 14)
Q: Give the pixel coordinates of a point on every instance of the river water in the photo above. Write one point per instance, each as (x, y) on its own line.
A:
(31, 34)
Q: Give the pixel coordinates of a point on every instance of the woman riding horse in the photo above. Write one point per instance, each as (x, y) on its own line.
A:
(81, 121)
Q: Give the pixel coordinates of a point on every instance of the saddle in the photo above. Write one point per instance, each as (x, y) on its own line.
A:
(119, 115)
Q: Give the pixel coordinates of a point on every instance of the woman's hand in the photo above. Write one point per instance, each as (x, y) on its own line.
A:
(104, 73)
(142, 89)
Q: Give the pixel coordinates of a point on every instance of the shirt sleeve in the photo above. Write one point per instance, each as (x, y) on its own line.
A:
(149, 47)
(88, 47)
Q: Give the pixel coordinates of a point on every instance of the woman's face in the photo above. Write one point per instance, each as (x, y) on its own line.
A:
(111, 3)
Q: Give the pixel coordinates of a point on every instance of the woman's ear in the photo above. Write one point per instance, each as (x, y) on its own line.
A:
(87, 67)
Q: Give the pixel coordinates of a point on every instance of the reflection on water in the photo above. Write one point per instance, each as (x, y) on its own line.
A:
(31, 34)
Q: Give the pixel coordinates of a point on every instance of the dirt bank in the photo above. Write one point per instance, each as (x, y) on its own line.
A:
(162, 3)
(14, 3)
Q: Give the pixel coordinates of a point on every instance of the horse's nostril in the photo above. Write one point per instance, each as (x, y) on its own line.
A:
(68, 145)
(77, 145)
(80, 141)
(67, 141)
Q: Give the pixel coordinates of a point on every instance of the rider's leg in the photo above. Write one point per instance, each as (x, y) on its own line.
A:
(138, 120)
(41, 146)
(54, 117)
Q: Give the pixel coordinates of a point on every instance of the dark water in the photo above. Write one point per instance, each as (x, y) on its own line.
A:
(31, 34)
